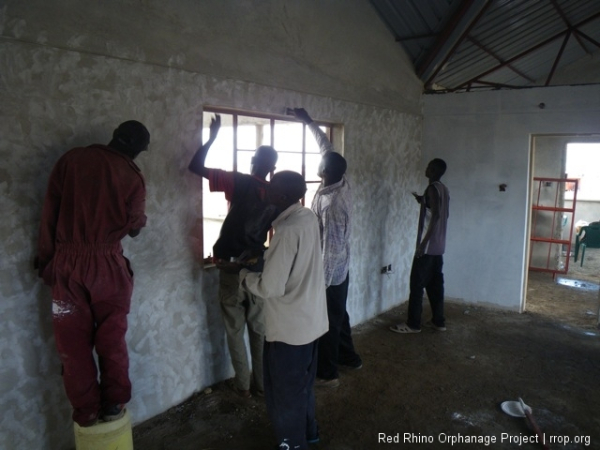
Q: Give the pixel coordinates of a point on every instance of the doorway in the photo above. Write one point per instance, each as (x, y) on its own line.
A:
(572, 298)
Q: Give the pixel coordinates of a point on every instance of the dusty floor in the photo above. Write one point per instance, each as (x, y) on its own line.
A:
(436, 386)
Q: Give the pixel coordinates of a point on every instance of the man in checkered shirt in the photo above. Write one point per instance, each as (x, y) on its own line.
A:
(332, 205)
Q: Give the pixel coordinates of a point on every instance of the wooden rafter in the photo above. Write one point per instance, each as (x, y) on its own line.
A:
(497, 58)
(558, 56)
(443, 38)
(563, 16)
(525, 52)
(585, 36)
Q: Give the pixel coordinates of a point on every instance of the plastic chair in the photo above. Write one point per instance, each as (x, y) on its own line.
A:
(588, 236)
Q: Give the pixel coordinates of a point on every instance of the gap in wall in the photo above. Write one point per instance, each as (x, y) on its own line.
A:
(572, 298)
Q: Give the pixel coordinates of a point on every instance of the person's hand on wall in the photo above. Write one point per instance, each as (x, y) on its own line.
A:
(300, 114)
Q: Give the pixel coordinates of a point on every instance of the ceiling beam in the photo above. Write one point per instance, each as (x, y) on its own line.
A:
(456, 29)
(557, 60)
(525, 52)
(563, 16)
(483, 85)
(561, 13)
(511, 60)
(580, 41)
(497, 58)
(582, 34)
(499, 85)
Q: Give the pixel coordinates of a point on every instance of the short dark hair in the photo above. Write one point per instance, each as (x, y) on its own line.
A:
(336, 164)
(291, 183)
(132, 135)
(440, 165)
(266, 155)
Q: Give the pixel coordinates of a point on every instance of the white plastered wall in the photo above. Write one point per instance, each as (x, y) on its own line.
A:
(73, 70)
(485, 139)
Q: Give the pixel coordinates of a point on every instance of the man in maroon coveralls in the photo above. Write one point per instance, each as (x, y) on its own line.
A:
(96, 196)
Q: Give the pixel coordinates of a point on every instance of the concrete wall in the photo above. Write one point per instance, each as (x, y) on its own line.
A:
(485, 138)
(72, 70)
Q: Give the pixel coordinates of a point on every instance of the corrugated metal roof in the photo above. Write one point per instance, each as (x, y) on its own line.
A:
(459, 45)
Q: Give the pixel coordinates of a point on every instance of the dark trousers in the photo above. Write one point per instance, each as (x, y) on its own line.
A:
(92, 294)
(336, 346)
(289, 372)
(426, 274)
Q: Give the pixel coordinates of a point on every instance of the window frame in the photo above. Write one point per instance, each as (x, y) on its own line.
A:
(330, 131)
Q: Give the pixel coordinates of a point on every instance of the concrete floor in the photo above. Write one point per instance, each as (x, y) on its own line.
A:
(433, 386)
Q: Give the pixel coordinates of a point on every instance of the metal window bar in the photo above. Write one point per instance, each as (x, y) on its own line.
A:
(235, 114)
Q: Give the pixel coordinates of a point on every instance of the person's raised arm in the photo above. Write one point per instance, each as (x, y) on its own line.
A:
(197, 163)
(325, 145)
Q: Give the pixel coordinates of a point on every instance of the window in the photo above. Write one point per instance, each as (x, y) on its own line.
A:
(583, 163)
(240, 134)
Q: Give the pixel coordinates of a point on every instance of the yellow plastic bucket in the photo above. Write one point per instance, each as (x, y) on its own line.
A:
(115, 435)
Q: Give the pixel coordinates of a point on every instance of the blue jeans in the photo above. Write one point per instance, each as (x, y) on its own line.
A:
(289, 372)
(426, 274)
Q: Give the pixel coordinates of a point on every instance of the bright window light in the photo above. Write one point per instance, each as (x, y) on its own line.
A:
(583, 163)
(238, 138)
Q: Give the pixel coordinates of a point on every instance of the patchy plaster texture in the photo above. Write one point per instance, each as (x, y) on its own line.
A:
(56, 98)
(336, 48)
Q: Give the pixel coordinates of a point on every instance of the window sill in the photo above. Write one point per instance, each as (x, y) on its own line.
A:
(208, 263)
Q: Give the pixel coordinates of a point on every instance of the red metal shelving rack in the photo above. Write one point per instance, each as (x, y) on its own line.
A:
(537, 208)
